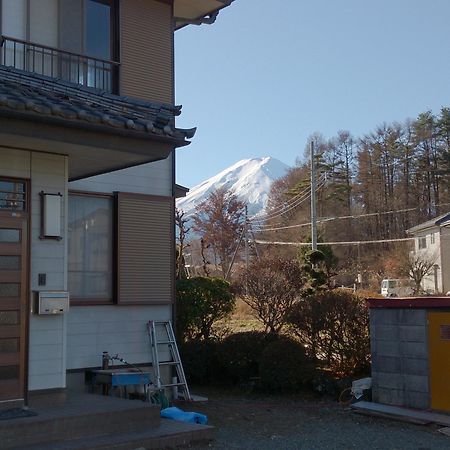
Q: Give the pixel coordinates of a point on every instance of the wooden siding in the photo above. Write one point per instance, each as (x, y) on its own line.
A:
(145, 249)
(146, 32)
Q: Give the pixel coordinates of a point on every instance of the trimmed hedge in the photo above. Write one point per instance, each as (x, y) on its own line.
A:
(240, 354)
(284, 366)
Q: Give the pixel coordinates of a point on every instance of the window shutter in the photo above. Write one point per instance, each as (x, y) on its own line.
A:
(145, 249)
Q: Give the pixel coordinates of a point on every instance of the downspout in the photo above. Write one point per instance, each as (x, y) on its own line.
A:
(174, 304)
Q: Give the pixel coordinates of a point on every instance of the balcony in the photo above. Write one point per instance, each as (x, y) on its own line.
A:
(52, 62)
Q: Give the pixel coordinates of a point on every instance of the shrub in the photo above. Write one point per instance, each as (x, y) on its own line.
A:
(241, 354)
(201, 361)
(270, 287)
(201, 302)
(334, 325)
(284, 366)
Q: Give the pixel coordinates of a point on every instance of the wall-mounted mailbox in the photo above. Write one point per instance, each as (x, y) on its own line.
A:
(55, 302)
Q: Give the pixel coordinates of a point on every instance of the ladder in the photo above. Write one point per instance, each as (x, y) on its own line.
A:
(162, 338)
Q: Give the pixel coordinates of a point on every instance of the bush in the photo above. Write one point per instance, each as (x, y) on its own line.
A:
(202, 362)
(241, 354)
(270, 287)
(201, 302)
(334, 325)
(284, 366)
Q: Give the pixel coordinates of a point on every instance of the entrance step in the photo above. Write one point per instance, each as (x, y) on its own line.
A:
(169, 434)
(80, 416)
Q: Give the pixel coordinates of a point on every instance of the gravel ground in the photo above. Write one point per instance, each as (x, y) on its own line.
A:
(263, 423)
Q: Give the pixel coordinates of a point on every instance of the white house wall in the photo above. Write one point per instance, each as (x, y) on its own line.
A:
(445, 258)
(432, 252)
(48, 173)
(154, 178)
(115, 329)
(91, 330)
(14, 15)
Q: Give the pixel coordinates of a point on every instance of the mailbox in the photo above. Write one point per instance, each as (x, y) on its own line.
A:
(54, 302)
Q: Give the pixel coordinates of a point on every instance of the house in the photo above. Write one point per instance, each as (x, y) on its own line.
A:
(87, 183)
(432, 243)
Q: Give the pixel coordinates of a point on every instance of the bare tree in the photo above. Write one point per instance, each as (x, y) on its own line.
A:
(219, 220)
(418, 268)
(183, 230)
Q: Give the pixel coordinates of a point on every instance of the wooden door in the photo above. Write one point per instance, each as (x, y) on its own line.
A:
(439, 359)
(13, 293)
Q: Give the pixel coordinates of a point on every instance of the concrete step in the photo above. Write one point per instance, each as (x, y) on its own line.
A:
(416, 416)
(80, 416)
(170, 433)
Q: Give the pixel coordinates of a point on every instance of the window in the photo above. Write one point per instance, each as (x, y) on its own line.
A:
(12, 195)
(90, 28)
(97, 29)
(90, 250)
(432, 238)
(422, 243)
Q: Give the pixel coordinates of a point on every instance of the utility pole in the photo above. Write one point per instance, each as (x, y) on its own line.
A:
(313, 200)
(246, 237)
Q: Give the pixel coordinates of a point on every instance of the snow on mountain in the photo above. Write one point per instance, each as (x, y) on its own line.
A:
(248, 179)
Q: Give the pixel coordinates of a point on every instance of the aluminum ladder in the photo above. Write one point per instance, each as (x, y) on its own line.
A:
(162, 338)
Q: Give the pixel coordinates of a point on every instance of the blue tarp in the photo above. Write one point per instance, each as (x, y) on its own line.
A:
(178, 414)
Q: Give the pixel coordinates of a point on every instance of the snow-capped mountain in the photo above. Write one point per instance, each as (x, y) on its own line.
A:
(248, 179)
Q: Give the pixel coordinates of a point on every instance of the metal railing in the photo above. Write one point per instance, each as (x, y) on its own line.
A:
(53, 62)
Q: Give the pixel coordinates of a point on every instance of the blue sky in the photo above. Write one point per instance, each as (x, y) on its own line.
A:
(269, 73)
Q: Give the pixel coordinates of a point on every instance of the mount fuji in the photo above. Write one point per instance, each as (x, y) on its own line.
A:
(248, 179)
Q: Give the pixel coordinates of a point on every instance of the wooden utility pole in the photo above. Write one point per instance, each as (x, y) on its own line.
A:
(313, 200)
(246, 238)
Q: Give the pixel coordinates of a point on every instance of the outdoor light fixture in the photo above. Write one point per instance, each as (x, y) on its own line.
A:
(50, 216)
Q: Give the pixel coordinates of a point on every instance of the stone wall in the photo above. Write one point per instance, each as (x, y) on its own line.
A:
(399, 344)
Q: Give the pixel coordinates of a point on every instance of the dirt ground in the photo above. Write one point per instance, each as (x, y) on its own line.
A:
(248, 421)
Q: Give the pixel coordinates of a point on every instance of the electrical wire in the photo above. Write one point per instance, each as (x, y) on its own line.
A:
(290, 208)
(329, 219)
(300, 244)
(280, 208)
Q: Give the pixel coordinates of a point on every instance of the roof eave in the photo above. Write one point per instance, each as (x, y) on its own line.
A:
(207, 18)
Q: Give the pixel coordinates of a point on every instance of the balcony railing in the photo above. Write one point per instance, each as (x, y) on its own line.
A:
(56, 63)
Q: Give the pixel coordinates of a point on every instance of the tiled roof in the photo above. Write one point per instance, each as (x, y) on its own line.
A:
(33, 95)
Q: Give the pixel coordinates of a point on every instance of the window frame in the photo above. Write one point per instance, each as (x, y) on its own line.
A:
(114, 40)
(422, 242)
(74, 301)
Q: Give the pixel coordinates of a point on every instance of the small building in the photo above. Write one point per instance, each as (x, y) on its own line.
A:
(432, 243)
(410, 346)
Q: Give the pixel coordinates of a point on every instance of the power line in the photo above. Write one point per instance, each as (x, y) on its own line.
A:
(329, 219)
(291, 203)
(279, 207)
(293, 206)
(301, 244)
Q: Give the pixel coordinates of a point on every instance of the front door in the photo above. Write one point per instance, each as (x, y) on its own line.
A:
(13, 289)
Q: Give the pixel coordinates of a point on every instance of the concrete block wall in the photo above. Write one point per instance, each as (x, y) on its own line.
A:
(400, 368)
